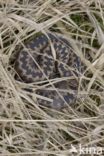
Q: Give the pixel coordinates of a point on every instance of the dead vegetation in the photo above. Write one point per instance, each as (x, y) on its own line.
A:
(25, 128)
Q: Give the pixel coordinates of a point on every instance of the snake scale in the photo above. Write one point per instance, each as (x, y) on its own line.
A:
(36, 62)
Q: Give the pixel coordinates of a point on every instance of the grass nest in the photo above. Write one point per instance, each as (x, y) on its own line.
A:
(27, 129)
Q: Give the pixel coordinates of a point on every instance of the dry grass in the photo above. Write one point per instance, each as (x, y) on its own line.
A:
(26, 129)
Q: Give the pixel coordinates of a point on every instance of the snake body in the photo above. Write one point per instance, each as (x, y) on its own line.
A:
(36, 62)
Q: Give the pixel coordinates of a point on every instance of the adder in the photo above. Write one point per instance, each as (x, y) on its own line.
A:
(50, 57)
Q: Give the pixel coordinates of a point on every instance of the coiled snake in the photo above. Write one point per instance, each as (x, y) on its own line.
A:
(36, 63)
